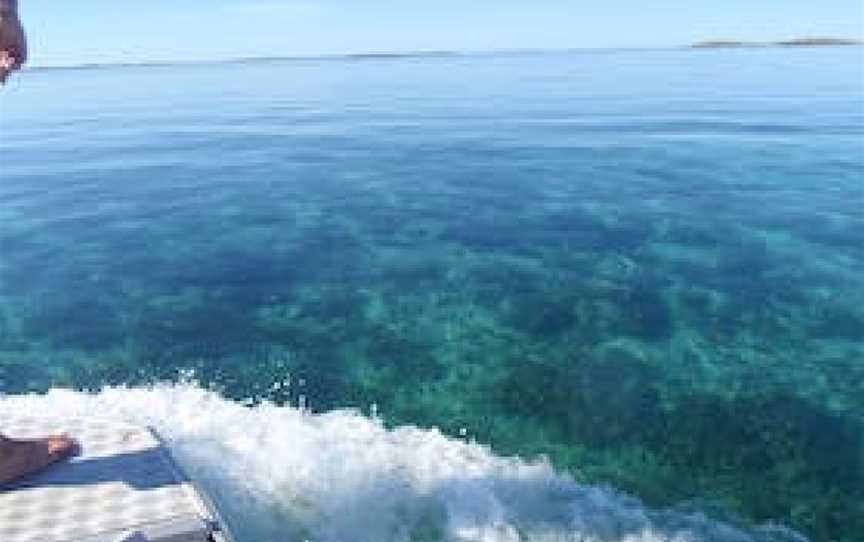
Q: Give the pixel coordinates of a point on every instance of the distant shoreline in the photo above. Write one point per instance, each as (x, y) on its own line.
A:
(797, 42)
(713, 44)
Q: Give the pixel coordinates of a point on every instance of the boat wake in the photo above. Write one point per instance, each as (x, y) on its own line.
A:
(281, 474)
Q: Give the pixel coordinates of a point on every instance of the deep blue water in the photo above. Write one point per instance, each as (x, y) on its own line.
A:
(646, 265)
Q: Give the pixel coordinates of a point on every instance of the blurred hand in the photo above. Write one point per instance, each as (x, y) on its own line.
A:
(13, 45)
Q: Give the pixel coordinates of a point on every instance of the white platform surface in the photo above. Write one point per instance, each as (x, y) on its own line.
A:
(123, 487)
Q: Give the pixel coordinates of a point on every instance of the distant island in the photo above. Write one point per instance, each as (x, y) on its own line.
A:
(815, 42)
(798, 42)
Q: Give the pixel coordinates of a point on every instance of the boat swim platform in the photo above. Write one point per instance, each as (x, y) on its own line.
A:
(123, 487)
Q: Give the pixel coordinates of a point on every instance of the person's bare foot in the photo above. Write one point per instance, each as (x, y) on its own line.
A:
(19, 458)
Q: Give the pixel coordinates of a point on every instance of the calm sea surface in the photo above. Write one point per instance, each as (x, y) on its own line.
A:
(364, 297)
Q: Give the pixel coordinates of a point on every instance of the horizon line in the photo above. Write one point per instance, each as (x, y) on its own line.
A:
(385, 55)
(372, 55)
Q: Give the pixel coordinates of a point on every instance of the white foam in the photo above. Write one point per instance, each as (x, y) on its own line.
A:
(281, 474)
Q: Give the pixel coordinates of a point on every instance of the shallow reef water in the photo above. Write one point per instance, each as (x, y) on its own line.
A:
(644, 266)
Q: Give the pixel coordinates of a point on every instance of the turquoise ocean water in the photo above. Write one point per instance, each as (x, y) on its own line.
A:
(587, 296)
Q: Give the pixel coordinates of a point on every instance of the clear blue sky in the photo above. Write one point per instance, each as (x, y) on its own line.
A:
(80, 31)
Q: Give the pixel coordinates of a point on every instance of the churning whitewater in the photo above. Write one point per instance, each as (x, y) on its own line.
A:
(283, 474)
